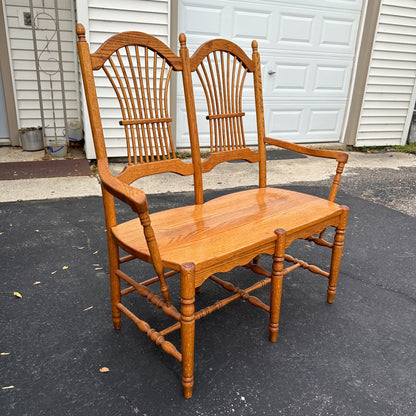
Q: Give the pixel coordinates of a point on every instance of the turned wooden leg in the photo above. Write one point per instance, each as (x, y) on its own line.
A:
(187, 327)
(113, 256)
(115, 290)
(276, 283)
(336, 255)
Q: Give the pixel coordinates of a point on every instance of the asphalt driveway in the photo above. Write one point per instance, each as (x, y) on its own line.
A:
(354, 357)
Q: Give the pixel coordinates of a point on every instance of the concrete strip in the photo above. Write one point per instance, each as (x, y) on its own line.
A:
(279, 172)
(48, 188)
(226, 175)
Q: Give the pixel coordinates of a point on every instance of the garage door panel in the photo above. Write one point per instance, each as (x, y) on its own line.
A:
(338, 33)
(304, 122)
(317, 78)
(202, 21)
(249, 25)
(289, 78)
(324, 120)
(285, 121)
(332, 79)
(320, 31)
(296, 29)
(239, 21)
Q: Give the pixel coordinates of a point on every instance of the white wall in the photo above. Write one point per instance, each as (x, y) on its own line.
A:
(24, 67)
(103, 18)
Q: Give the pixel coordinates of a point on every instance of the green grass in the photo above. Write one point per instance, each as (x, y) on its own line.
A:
(407, 148)
(187, 155)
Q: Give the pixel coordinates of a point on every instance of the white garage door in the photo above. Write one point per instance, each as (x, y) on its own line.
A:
(307, 50)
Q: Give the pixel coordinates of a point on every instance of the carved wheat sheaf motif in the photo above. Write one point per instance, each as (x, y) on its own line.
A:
(222, 78)
(140, 79)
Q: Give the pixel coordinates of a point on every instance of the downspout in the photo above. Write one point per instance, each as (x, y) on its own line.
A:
(372, 13)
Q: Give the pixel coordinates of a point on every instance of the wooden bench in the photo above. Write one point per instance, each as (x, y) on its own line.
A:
(195, 243)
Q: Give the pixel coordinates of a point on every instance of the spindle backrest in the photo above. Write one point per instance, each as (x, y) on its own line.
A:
(138, 67)
(222, 68)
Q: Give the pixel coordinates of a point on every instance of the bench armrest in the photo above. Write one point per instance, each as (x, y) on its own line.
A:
(138, 203)
(340, 157)
(329, 154)
(128, 194)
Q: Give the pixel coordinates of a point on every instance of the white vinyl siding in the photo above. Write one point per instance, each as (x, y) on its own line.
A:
(103, 18)
(24, 67)
(390, 91)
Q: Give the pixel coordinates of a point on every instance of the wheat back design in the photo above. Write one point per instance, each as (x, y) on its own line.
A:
(140, 78)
